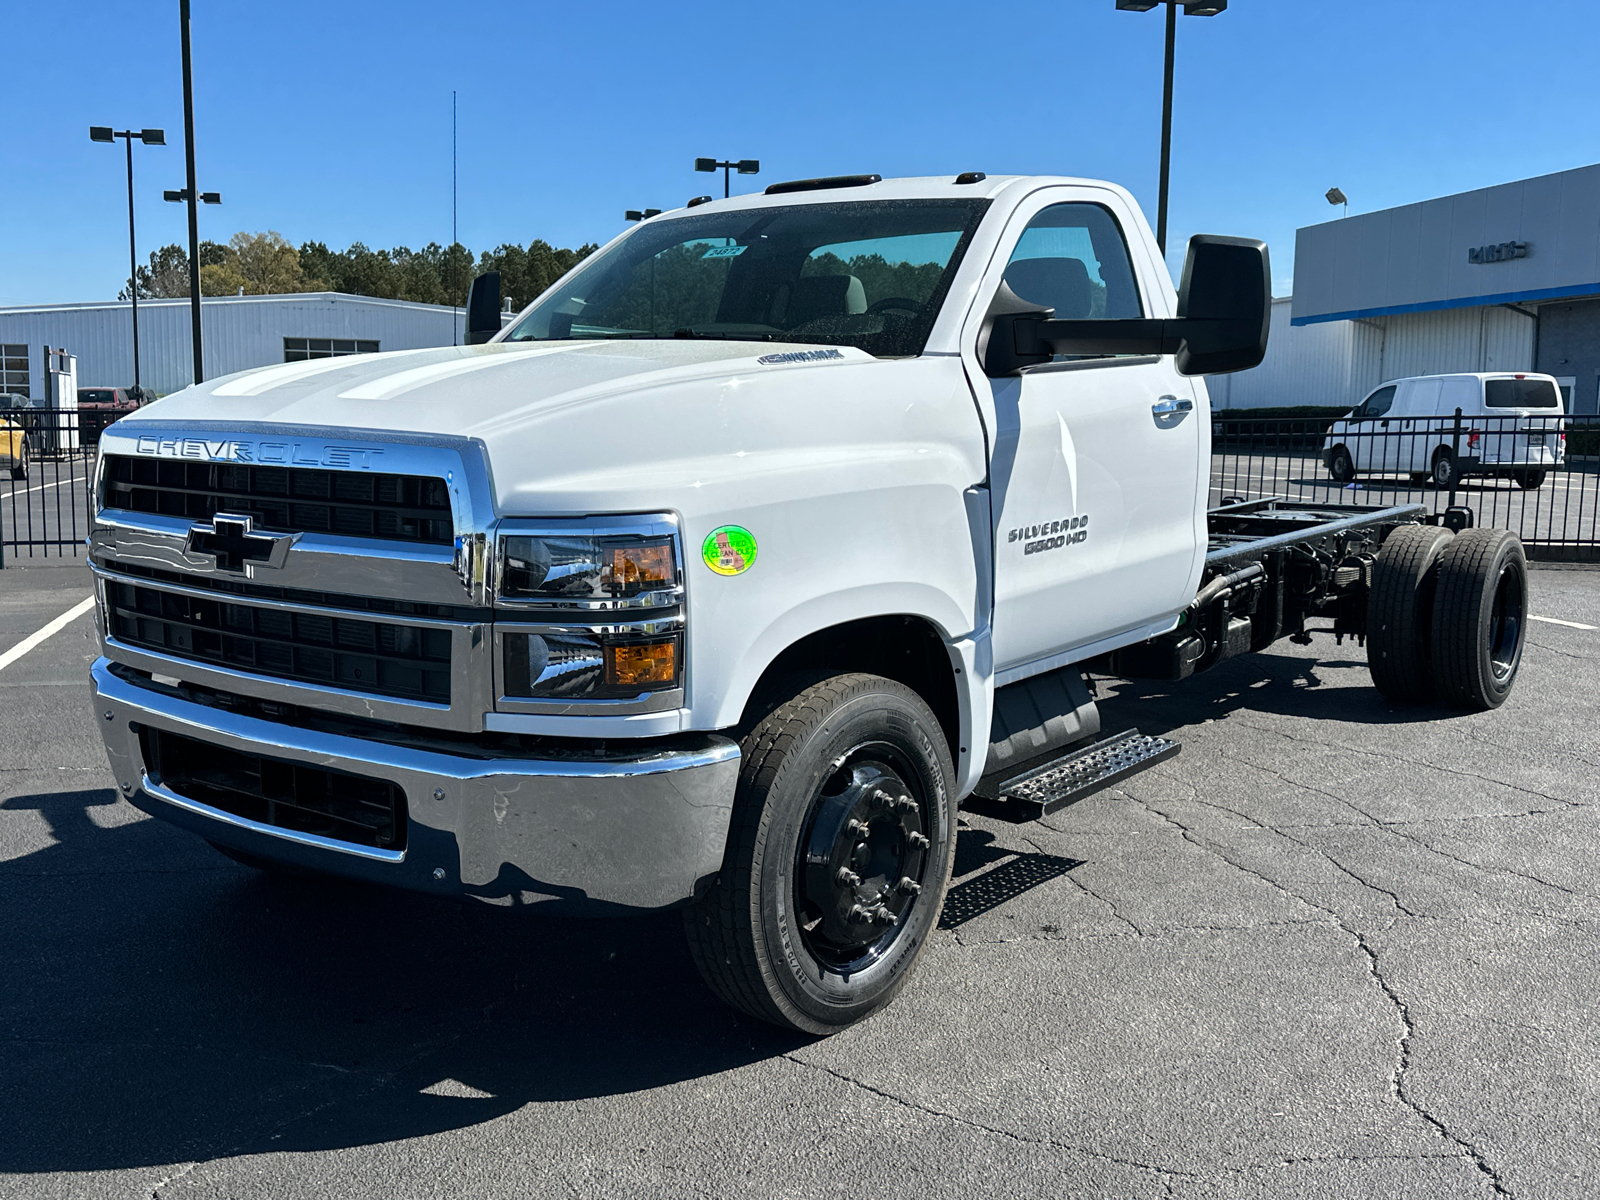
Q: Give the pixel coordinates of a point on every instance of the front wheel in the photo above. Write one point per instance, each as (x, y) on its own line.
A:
(1341, 466)
(19, 469)
(839, 853)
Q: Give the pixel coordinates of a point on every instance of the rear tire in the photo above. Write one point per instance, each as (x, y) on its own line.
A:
(784, 934)
(1341, 466)
(1480, 617)
(1400, 611)
(1529, 481)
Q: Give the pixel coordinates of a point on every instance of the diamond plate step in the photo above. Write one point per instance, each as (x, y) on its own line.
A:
(1050, 788)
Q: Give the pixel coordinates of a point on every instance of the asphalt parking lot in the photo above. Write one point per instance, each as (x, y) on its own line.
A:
(1335, 949)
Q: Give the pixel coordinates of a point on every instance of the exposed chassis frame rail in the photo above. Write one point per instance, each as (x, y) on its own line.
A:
(1269, 567)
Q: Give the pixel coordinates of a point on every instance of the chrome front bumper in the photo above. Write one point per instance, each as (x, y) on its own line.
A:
(586, 835)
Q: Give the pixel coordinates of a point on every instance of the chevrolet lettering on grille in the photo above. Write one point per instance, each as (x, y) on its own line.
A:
(234, 547)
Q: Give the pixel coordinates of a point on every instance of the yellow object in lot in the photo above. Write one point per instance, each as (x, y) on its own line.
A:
(13, 446)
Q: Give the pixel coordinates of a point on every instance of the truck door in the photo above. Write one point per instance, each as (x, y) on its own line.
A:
(1095, 477)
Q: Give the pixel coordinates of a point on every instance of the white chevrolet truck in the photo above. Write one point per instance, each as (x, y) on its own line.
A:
(777, 530)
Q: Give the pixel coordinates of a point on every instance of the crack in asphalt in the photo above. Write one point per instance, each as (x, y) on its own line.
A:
(1163, 1172)
(1087, 891)
(1397, 1077)
(1413, 762)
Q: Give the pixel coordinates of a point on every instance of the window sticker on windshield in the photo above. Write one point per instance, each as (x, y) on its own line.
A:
(724, 252)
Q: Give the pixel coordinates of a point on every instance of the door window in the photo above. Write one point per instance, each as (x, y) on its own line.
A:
(1375, 405)
(1073, 258)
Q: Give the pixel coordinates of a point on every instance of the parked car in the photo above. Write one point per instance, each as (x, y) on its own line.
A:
(763, 539)
(99, 406)
(14, 447)
(1511, 426)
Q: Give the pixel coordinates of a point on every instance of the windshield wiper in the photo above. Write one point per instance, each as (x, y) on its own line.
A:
(722, 336)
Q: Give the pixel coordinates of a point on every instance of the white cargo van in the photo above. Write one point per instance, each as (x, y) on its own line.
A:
(1511, 426)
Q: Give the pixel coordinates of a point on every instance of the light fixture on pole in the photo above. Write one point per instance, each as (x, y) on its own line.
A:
(745, 166)
(1191, 8)
(634, 214)
(1334, 196)
(150, 137)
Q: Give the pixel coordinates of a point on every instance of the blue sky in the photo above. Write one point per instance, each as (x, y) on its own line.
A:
(331, 121)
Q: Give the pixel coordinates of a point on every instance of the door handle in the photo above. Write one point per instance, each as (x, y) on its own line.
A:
(1168, 405)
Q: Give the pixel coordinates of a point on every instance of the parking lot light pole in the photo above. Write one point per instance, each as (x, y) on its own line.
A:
(150, 137)
(1191, 8)
(745, 166)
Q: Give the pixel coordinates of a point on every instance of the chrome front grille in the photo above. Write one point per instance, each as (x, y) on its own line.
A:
(380, 609)
(362, 504)
(403, 661)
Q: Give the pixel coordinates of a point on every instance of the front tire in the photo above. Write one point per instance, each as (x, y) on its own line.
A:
(19, 469)
(839, 853)
(1445, 472)
(1341, 466)
(1400, 611)
(1480, 615)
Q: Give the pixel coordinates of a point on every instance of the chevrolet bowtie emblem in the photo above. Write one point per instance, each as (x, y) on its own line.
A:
(235, 547)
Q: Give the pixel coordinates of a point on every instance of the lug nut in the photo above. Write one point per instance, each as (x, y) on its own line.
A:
(848, 878)
(906, 804)
(920, 841)
(882, 916)
(856, 828)
(908, 885)
(859, 915)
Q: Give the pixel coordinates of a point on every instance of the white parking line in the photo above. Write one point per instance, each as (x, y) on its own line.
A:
(44, 487)
(54, 627)
(1568, 624)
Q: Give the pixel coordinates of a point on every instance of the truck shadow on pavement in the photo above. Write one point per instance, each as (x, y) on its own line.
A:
(165, 1005)
(1281, 684)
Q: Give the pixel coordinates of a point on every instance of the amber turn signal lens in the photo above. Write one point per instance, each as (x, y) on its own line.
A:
(642, 568)
(654, 664)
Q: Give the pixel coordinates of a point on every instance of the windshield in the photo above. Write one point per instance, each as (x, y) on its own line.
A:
(869, 274)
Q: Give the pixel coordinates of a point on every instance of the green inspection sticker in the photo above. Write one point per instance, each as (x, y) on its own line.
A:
(729, 549)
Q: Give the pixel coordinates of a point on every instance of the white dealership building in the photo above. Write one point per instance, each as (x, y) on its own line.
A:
(1504, 278)
(238, 332)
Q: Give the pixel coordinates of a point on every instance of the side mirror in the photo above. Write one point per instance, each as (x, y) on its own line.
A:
(483, 308)
(1224, 311)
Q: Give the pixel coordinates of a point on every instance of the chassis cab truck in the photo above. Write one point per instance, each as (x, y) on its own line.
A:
(775, 531)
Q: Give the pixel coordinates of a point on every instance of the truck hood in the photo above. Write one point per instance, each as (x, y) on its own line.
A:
(473, 391)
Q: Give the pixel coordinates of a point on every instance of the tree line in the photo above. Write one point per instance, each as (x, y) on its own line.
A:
(263, 264)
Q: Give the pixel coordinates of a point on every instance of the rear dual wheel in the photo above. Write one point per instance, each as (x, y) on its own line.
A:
(838, 857)
(1447, 614)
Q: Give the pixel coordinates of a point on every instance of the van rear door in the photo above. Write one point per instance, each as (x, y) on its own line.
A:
(1522, 421)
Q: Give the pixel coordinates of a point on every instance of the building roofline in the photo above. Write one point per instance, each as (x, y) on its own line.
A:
(208, 301)
(1571, 291)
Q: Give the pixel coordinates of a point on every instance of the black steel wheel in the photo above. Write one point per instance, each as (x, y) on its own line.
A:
(1341, 466)
(1400, 611)
(839, 853)
(1444, 468)
(1530, 480)
(1480, 618)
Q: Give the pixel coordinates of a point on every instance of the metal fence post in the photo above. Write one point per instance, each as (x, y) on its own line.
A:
(1455, 458)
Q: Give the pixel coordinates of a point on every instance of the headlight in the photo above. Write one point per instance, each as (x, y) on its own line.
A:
(629, 570)
(589, 612)
(598, 663)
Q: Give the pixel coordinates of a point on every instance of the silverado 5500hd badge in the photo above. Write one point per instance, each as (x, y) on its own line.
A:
(1050, 535)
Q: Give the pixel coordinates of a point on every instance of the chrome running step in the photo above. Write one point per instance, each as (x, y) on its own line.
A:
(1053, 786)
